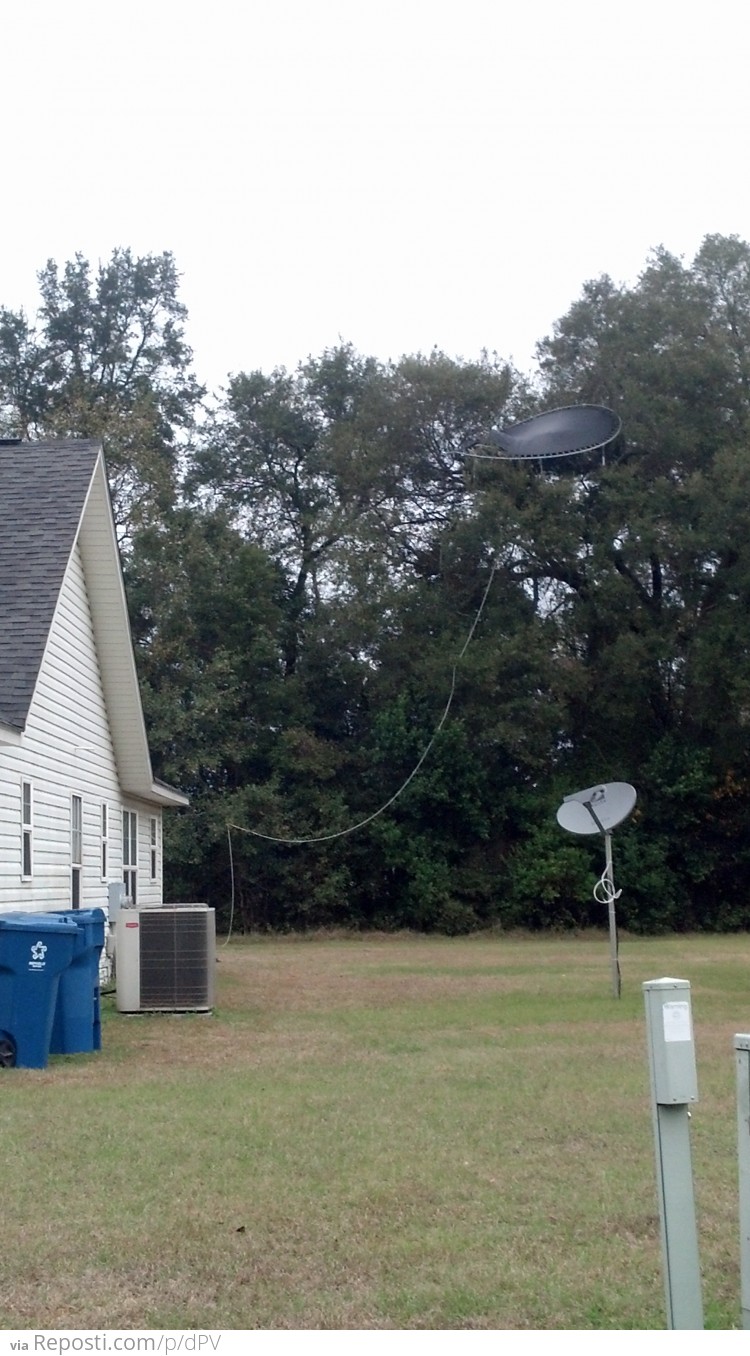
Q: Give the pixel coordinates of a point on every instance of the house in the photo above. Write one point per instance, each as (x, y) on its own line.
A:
(79, 805)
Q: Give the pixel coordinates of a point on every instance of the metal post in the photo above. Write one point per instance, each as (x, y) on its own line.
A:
(611, 897)
(742, 1056)
(674, 1085)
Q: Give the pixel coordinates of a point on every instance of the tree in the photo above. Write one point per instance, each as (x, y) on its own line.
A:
(346, 470)
(350, 477)
(654, 617)
(106, 357)
(304, 596)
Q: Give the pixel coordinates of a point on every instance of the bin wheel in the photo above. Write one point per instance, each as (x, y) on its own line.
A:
(7, 1051)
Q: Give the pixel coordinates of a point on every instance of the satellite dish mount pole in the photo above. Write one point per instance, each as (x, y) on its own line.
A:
(614, 801)
(605, 893)
(610, 894)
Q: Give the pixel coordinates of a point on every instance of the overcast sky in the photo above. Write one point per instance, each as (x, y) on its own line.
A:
(401, 175)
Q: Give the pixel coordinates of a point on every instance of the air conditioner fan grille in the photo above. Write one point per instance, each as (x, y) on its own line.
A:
(174, 959)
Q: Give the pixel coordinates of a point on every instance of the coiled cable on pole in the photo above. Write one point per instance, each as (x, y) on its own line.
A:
(604, 890)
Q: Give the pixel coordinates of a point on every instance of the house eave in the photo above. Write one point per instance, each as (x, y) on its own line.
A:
(154, 792)
(175, 796)
(165, 796)
(101, 559)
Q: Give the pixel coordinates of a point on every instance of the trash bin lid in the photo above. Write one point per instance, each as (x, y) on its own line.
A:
(35, 922)
(88, 922)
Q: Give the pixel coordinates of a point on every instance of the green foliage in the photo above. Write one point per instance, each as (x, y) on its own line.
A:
(328, 592)
(106, 358)
(549, 882)
(613, 643)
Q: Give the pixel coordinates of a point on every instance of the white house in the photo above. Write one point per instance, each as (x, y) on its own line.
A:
(79, 805)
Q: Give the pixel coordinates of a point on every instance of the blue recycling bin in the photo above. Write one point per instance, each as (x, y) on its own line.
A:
(35, 950)
(77, 1028)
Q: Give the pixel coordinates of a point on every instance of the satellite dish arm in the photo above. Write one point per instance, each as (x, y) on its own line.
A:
(590, 807)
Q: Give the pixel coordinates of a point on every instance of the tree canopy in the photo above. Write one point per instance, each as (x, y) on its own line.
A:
(388, 661)
(106, 357)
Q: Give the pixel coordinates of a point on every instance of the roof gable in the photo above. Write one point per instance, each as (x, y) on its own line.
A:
(43, 489)
(52, 496)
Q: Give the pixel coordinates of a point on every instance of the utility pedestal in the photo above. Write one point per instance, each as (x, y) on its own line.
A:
(674, 1086)
(742, 1056)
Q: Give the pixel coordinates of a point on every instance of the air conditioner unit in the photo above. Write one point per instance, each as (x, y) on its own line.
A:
(165, 958)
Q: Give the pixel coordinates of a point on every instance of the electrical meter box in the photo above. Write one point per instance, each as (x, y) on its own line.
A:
(669, 1028)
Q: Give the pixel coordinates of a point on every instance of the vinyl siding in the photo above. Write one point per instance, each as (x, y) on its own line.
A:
(67, 750)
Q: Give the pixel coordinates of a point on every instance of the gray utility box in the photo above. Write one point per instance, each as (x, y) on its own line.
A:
(669, 1025)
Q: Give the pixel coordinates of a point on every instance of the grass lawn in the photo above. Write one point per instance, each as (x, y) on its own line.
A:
(375, 1133)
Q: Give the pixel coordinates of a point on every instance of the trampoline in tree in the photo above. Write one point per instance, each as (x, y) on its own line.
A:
(564, 432)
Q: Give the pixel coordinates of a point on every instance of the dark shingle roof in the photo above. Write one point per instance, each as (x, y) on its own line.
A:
(43, 488)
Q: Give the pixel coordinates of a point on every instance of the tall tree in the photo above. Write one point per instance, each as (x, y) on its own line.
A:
(347, 469)
(653, 619)
(106, 356)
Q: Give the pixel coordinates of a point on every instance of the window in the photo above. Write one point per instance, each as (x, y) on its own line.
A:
(27, 831)
(104, 839)
(130, 853)
(154, 845)
(76, 850)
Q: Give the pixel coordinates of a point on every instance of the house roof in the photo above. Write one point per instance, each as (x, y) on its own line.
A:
(43, 489)
(54, 495)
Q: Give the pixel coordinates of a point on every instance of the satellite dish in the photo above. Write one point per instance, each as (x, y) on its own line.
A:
(598, 809)
(556, 433)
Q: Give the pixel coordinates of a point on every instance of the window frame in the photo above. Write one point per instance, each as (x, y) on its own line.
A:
(76, 850)
(130, 853)
(27, 829)
(104, 840)
(153, 830)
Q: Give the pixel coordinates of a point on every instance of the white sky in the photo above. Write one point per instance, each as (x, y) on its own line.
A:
(401, 175)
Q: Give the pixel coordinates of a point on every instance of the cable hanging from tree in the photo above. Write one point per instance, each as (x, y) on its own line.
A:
(362, 823)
